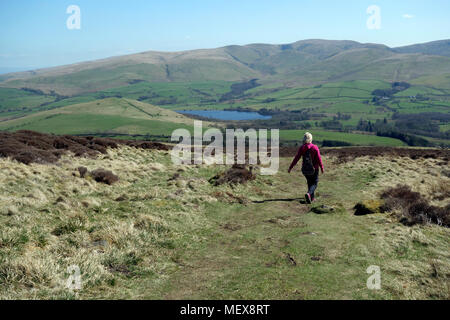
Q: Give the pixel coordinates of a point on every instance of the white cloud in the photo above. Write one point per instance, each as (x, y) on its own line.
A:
(408, 16)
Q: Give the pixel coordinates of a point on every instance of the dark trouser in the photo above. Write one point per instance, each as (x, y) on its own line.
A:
(312, 180)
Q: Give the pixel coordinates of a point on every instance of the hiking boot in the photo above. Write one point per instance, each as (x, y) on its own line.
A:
(308, 198)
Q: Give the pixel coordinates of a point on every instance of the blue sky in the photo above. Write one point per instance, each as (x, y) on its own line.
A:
(33, 33)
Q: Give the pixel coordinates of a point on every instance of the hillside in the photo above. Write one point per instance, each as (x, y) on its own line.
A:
(165, 232)
(439, 48)
(350, 93)
(302, 62)
(106, 116)
(355, 112)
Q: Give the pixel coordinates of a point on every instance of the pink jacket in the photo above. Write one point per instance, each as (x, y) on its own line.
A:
(315, 155)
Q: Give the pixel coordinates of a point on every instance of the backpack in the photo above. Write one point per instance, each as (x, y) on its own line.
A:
(308, 166)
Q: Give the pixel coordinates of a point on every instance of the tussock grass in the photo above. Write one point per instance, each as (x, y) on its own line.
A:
(410, 256)
(422, 175)
(164, 231)
(413, 207)
(52, 218)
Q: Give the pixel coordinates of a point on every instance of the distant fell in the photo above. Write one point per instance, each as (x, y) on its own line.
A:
(438, 48)
(303, 62)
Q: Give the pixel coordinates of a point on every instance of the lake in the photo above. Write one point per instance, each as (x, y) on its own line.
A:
(226, 115)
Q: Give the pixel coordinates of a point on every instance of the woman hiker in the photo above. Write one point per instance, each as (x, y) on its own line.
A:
(311, 163)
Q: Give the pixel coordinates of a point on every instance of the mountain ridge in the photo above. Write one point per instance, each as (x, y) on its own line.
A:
(306, 61)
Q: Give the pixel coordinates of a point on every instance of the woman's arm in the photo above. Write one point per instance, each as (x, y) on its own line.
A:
(296, 158)
(319, 158)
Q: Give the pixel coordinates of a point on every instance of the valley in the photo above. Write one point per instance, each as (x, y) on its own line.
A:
(87, 178)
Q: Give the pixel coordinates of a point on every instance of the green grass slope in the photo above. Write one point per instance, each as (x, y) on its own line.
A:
(440, 48)
(112, 115)
(351, 138)
(14, 102)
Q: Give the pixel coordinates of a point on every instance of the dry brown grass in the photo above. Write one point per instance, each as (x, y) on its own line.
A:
(423, 175)
(413, 207)
(28, 146)
(135, 230)
(236, 174)
(52, 218)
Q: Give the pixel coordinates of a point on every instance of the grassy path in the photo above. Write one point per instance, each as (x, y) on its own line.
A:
(277, 250)
(282, 250)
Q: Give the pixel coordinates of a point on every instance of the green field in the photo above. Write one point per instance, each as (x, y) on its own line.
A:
(445, 127)
(112, 115)
(345, 101)
(15, 102)
(352, 138)
(100, 124)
